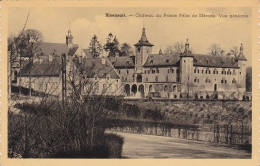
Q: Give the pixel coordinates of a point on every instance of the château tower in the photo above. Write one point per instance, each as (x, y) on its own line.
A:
(142, 49)
(186, 68)
(69, 39)
(242, 70)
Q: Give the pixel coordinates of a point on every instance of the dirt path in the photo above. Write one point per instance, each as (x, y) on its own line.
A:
(148, 146)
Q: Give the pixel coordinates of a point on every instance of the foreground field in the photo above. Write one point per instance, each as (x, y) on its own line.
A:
(147, 146)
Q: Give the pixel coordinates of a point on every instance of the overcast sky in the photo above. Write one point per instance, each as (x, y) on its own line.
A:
(162, 32)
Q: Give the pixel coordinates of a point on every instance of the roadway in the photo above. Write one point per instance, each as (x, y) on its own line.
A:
(149, 146)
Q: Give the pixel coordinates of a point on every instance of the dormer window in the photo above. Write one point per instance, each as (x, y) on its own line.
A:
(139, 49)
(151, 61)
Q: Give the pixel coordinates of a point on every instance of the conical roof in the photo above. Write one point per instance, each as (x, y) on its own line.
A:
(143, 41)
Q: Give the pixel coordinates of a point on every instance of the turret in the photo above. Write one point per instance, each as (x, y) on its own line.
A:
(69, 39)
(241, 60)
(142, 49)
(186, 68)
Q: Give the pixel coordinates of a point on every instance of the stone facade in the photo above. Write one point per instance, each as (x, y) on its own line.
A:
(143, 75)
(184, 75)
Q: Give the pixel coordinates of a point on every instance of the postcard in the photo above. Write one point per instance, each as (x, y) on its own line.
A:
(129, 83)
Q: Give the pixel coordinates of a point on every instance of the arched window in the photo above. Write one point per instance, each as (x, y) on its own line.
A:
(234, 81)
(174, 88)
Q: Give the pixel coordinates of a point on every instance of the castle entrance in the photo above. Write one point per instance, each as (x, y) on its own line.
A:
(134, 89)
(127, 89)
(141, 90)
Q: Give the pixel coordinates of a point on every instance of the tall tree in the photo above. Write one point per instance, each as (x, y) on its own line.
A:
(95, 48)
(216, 50)
(126, 49)
(112, 45)
(25, 45)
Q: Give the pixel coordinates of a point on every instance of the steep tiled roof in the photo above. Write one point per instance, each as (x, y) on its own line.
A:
(214, 61)
(94, 67)
(41, 69)
(57, 48)
(161, 60)
(123, 62)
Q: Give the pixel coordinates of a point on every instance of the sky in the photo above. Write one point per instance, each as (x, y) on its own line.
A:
(162, 32)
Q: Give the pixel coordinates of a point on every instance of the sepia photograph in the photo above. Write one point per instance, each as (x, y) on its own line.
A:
(128, 83)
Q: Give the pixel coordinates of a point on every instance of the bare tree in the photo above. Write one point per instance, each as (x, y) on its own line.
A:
(234, 51)
(95, 48)
(216, 50)
(176, 48)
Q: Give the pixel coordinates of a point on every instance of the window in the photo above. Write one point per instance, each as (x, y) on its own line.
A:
(202, 71)
(195, 70)
(177, 71)
(207, 80)
(127, 71)
(166, 78)
(198, 71)
(157, 70)
(156, 78)
(209, 71)
(170, 70)
(167, 60)
(174, 88)
(118, 71)
(146, 79)
(234, 81)
(234, 72)
(151, 61)
(196, 80)
(184, 61)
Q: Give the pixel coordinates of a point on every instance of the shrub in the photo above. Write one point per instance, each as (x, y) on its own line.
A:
(51, 131)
